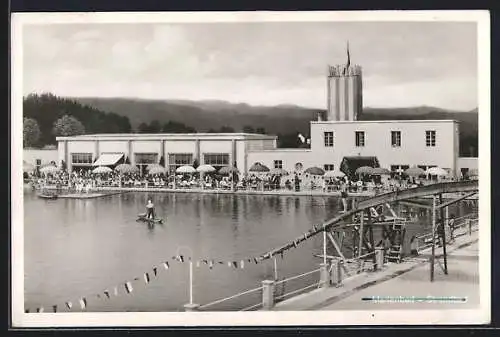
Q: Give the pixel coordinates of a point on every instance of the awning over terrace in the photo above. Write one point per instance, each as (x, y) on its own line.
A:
(107, 159)
(349, 165)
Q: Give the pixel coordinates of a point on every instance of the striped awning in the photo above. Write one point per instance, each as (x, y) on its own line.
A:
(107, 159)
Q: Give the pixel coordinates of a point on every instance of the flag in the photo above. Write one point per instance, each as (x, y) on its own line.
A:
(155, 271)
(116, 291)
(229, 263)
(39, 309)
(106, 292)
(181, 258)
(235, 264)
(249, 260)
(348, 56)
(221, 262)
(128, 287)
(83, 303)
(146, 278)
(211, 264)
(136, 279)
(165, 265)
(54, 308)
(205, 261)
(255, 260)
(295, 244)
(242, 264)
(69, 305)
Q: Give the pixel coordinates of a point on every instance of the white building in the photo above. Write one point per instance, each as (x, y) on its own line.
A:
(216, 149)
(395, 145)
(39, 157)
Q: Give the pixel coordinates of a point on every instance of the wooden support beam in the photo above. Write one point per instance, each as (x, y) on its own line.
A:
(443, 238)
(415, 204)
(433, 250)
(334, 243)
(361, 233)
(448, 203)
(372, 242)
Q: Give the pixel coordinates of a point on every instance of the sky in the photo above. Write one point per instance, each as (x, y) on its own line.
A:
(267, 63)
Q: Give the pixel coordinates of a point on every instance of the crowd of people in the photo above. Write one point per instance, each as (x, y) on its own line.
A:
(82, 181)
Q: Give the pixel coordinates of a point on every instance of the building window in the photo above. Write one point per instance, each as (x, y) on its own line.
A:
(278, 164)
(142, 160)
(81, 158)
(328, 167)
(217, 160)
(399, 169)
(176, 160)
(396, 138)
(146, 158)
(360, 138)
(430, 138)
(38, 162)
(328, 135)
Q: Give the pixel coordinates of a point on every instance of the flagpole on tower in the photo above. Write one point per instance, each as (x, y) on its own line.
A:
(348, 56)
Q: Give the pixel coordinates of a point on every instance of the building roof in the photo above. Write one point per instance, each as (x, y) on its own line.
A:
(167, 136)
(400, 121)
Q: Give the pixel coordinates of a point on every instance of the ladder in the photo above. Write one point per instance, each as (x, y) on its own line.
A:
(395, 253)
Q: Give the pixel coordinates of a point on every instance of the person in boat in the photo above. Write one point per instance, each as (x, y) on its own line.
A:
(150, 210)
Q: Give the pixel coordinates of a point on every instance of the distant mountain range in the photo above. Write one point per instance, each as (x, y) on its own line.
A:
(212, 114)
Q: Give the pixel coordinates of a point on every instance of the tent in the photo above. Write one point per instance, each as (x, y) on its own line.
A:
(349, 165)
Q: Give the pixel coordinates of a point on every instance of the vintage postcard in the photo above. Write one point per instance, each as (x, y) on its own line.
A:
(250, 168)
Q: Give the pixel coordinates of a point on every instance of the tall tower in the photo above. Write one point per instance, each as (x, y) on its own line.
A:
(345, 91)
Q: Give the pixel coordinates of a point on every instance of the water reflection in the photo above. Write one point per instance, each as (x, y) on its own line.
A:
(89, 245)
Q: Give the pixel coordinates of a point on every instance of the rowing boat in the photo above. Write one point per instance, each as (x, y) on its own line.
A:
(142, 217)
(48, 196)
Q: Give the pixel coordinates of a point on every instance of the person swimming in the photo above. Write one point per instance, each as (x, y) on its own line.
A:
(150, 210)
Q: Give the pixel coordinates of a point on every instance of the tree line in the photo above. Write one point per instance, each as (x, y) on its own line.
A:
(47, 116)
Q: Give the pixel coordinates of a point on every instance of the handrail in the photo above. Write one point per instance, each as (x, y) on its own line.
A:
(358, 257)
(230, 297)
(298, 290)
(298, 276)
(251, 307)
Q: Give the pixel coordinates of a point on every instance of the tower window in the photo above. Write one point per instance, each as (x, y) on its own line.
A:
(328, 167)
(360, 138)
(396, 138)
(328, 136)
(430, 138)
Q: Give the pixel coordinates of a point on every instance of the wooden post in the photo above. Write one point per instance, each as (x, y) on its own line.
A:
(442, 234)
(361, 229)
(275, 269)
(267, 294)
(433, 237)
(372, 242)
(336, 277)
(379, 257)
(324, 246)
(190, 282)
(324, 276)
